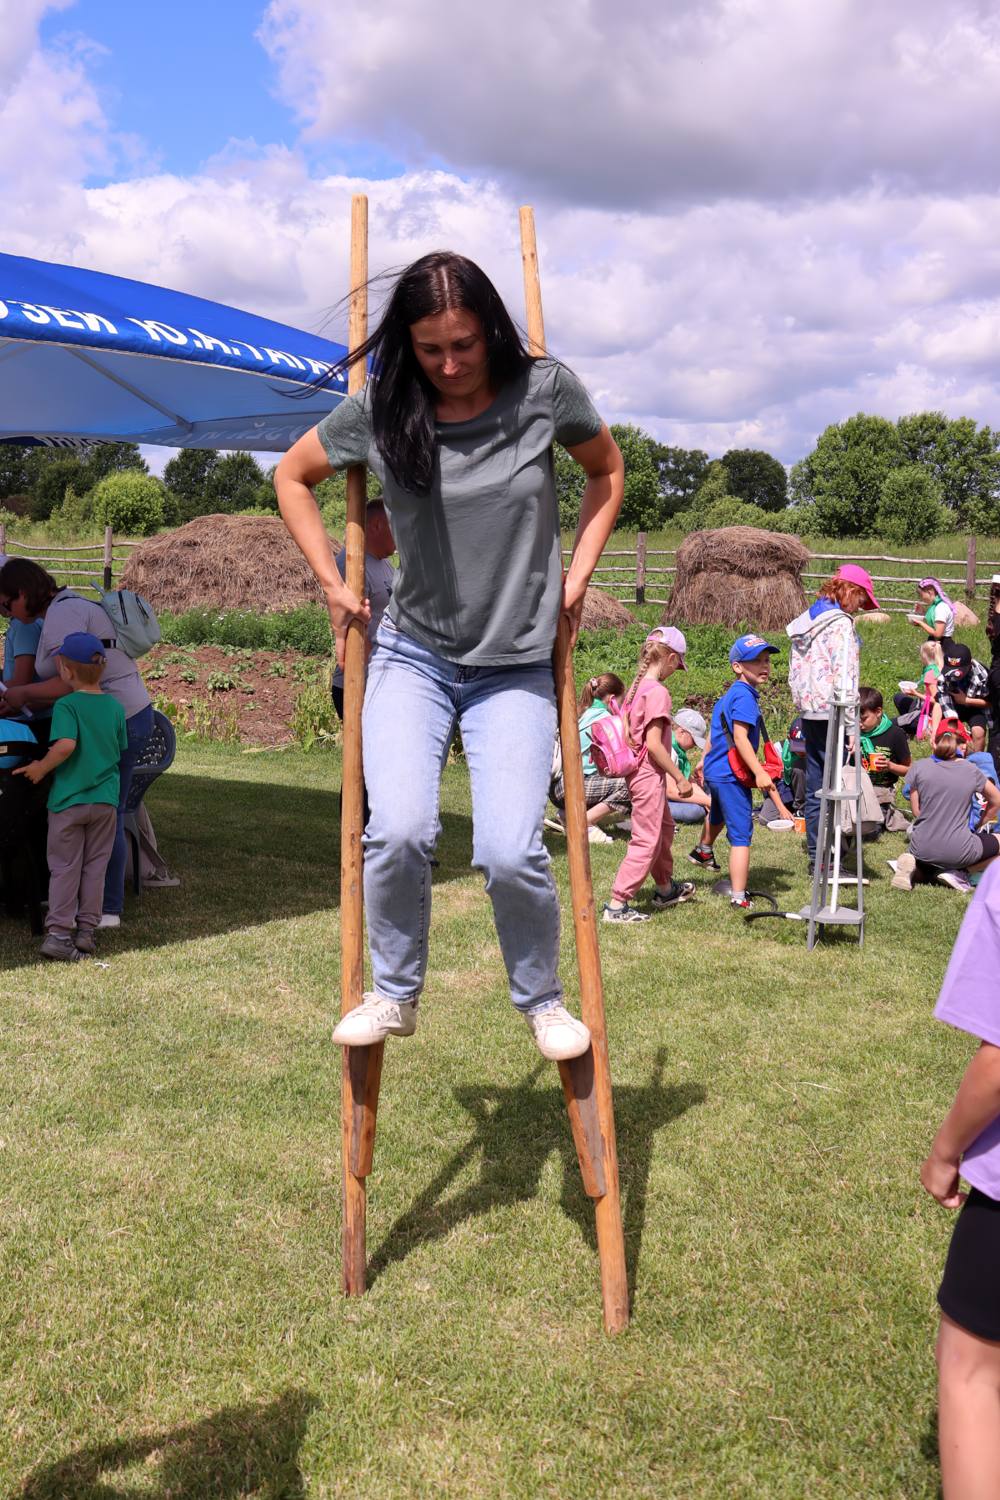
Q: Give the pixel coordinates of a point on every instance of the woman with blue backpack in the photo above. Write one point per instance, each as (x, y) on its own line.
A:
(458, 422)
(28, 592)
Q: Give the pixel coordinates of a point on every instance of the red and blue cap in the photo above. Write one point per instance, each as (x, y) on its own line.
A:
(749, 647)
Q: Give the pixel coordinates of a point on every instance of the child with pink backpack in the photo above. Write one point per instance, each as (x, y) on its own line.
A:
(634, 742)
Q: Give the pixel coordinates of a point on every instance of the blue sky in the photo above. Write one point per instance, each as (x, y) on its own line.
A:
(186, 78)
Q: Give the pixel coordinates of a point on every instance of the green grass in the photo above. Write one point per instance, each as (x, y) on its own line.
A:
(170, 1317)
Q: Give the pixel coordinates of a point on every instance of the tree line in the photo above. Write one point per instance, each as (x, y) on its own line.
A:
(903, 481)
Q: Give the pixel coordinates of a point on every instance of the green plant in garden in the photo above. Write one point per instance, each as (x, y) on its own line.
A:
(188, 674)
(277, 669)
(305, 629)
(176, 658)
(305, 671)
(168, 707)
(221, 682)
(130, 503)
(314, 721)
(154, 673)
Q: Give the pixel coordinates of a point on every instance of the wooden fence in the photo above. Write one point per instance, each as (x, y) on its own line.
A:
(636, 575)
(106, 558)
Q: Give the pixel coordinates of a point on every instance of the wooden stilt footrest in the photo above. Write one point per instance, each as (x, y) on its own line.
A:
(581, 1100)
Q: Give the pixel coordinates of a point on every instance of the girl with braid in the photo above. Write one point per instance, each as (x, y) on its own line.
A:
(647, 710)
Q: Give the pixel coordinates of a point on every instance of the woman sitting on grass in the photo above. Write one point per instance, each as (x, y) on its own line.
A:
(606, 796)
(945, 843)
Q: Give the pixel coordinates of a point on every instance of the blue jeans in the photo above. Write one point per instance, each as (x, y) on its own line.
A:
(138, 729)
(814, 732)
(507, 715)
(687, 812)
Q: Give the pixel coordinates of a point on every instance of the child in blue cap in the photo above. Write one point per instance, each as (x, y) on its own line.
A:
(736, 724)
(88, 738)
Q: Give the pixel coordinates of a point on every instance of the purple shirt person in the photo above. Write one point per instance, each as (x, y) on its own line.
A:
(968, 1144)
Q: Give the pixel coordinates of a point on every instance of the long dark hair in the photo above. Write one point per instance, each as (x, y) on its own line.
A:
(19, 575)
(402, 398)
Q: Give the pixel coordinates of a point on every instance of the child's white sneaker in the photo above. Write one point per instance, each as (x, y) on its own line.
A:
(596, 835)
(109, 919)
(375, 1019)
(902, 879)
(558, 1035)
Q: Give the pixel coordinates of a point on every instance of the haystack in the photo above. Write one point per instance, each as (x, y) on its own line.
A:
(601, 611)
(224, 562)
(738, 575)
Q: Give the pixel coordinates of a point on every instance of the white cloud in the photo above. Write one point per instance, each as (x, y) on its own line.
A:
(730, 321)
(644, 102)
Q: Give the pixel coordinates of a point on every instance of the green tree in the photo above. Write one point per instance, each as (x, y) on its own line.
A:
(641, 509)
(849, 466)
(112, 458)
(965, 461)
(15, 470)
(234, 483)
(713, 488)
(681, 471)
(52, 479)
(910, 508)
(756, 477)
(129, 502)
(570, 483)
(331, 497)
(187, 474)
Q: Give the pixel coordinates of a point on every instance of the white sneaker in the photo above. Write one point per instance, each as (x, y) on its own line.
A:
(902, 879)
(375, 1019)
(625, 826)
(554, 825)
(596, 835)
(558, 1035)
(957, 879)
(110, 919)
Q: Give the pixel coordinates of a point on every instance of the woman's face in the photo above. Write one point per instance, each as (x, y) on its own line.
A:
(927, 596)
(450, 348)
(15, 608)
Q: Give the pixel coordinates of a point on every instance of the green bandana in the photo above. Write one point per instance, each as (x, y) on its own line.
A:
(929, 615)
(682, 759)
(868, 740)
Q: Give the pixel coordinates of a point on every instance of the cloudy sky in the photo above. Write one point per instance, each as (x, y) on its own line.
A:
(755, 216)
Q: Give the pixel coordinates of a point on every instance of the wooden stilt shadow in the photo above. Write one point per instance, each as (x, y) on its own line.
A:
(586, 1080)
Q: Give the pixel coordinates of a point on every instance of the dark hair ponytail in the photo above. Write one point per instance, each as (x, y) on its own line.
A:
(402, 398)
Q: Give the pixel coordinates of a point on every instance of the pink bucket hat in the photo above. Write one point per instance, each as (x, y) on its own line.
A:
(854, 573)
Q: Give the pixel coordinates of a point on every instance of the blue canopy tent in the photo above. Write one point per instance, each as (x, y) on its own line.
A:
(89, 356)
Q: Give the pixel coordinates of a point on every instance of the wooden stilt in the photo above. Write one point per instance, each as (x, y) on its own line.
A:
(362, 1066)
(587, 1080)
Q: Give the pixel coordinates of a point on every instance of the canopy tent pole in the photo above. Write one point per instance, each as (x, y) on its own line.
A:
(361, 1066)
(586, 1080)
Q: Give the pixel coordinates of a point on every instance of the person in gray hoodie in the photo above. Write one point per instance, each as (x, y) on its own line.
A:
(824, 659)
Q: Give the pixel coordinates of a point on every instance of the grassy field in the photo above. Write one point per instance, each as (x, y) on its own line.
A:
(170, 1313)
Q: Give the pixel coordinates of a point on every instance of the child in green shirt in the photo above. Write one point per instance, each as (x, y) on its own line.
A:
(88, 739)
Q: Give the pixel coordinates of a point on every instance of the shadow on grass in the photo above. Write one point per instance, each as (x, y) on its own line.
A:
(247, 853)
(516, 1130)
(241, 1450)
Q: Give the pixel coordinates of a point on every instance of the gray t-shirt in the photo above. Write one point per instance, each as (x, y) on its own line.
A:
(378, 590)
(480, 564)
(69, 612)
(941, 834)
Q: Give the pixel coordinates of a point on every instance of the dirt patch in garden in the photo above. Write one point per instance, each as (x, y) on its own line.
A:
(232, 693)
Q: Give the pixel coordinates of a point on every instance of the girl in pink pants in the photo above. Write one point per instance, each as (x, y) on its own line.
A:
(647, 710)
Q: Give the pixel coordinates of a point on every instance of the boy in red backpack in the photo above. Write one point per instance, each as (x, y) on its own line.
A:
(647, 709)
(735, 735)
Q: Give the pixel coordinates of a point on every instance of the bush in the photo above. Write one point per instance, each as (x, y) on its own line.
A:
(910, 507)
(129, 502)
(74, 518)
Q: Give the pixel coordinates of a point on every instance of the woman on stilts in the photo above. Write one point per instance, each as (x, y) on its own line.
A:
(458, 427)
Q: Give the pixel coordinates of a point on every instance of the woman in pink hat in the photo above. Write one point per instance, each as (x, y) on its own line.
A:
(825, 651)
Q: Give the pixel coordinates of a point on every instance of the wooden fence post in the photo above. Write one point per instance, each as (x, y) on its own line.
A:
(970, 570)
(640, 568)
(108, 556)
